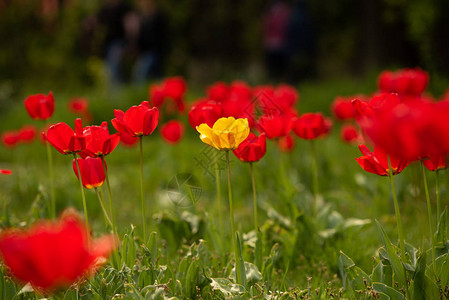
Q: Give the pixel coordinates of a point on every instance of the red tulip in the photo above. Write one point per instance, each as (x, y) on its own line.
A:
(252, 149)
(55, 254)
(286, 143)
(285, 96)
(343, 109)
(219, 92)
(92, 172)
(64, 139)
(27, 133)
(407, 82)
(138, 120)
(79, 106)
(311, 126)
(172, 131)
(413, 131)
(276, 126)
(377, 162)
(157, 95)
(5, 172)
(436, 163)
(128, 139)
(205, 112)
(98, 141)
(175, 88)
(40, 106)
(10, 139)
(349, 134)
(240, 91)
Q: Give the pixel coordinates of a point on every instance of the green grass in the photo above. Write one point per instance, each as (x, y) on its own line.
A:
(186, 235)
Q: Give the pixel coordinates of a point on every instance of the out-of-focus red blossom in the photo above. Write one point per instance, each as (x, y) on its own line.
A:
(127, 139)
(219, 91)
(138, 120)
(92, 172)
(412, 131)
(55, 254)
(286, 143)
(285, 96)
(157, 95)
(349, 134)
(276, 126)
(252, 149)
(411, 82)
(204, 112)
(436, 163)
(5, 172)
(240, 91)
(10, 139)
(343, 109)
(377, 104)
(239, 109)
(98, 141)
(27, 133)
(64, 139)
(78, 106)
(40, 106)
(172, 131)
(310, 126)
(377, 162)
(173, 88)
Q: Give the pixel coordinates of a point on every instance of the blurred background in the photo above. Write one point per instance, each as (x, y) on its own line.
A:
(77, 44)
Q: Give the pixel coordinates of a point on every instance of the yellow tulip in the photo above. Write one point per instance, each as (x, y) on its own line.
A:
(226, 134)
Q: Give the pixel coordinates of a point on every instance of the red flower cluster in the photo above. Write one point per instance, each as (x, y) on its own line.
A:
(53, 255)
(12, 138)
(64, 139)
(350, 134)
(342, 108)
(407, 82)
(138, 120)
(173, 88)
(40, 106)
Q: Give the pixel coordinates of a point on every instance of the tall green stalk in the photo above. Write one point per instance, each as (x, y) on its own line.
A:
(100, 199)
(437, 192)
(82, 192)
(111, 208)
(142, 197)
(429, 215)
(396, 211)
(52, 179)
(231, 212)
(256, 227)
(218, 187)
(315, 177)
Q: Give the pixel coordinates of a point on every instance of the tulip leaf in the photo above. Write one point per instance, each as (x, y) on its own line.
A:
(258, 251)
(389, 291)
(353, 277)
(239, 262)
(227, 288)
(440, 234)
(392, 256)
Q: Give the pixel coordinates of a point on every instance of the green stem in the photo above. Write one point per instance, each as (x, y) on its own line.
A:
(437, 192)
(231, 212)
(142, 197)
(218, 187)
(111, 208)
(429, 213)
(397, 212)
(315, 177)
(82, 192)
(108, 220)
(51, 177)
(256, 227)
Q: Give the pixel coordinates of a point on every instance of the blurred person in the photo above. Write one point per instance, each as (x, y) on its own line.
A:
(112, 17)
(151, 41)
(300, 40)
(275, 26)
